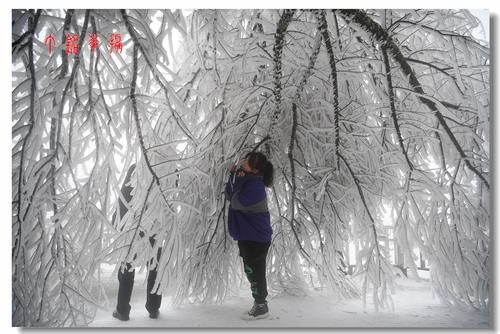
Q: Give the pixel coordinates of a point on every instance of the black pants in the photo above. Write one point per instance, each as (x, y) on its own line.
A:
(254, 262)
(126, 285)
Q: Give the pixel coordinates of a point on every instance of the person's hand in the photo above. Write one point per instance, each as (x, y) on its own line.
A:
(236, 167)
(238, 170)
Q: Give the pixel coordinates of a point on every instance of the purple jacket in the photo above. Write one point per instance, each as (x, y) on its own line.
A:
(249, 217)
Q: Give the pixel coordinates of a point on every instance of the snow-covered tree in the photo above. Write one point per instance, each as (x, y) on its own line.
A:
(366, 114)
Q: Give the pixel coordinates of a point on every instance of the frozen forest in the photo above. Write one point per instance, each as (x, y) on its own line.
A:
(377, 123)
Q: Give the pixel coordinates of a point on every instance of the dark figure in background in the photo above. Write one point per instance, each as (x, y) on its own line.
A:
(249, 223)
(126, 274)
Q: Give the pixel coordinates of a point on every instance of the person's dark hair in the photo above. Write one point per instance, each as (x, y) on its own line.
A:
(258, 160)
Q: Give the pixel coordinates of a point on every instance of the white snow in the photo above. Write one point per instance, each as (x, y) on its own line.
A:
(415, 307)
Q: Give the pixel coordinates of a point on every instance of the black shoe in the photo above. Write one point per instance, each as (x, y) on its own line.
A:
(258, 311)
(119, 316)
(154, 314)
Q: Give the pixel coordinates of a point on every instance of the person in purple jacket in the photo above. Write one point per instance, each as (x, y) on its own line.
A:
(249, 223)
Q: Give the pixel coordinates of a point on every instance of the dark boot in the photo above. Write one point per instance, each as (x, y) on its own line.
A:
(258, 311)
(119, 316)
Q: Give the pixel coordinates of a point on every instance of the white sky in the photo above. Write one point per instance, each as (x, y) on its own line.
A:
(484, 31)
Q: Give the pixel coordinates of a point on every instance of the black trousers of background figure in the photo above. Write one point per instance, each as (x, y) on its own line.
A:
(254, 263)
(126, 285)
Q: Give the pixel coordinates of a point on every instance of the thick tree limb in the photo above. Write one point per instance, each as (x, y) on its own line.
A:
(18, 242)
(279, 42)
(390, 91)
(323, 28)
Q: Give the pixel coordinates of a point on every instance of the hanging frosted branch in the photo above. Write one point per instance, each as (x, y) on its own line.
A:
(390, 91)
(19, 239)
(379, 34)
(158, 77)
(55, 122)
(377, 271)
(293, 138)
(25, 39)
(156, 179)
(64, 55)
(279, 42)
(55, 257)
(74, 70)
(323, 28)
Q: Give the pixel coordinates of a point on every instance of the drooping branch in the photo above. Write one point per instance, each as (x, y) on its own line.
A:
(156, 75)
(293, 135)
(64, 55)
(362, 197)
(90, 103)
(54, 121)
(98, 75)
(379, 255)
(18, 243)
(144, 151)
(20, 43)
(279, 42)
(439, 69)
(323, 28)
(336, 21)
(135, 112)
(379, 34)
(71, 78)
(390, 91)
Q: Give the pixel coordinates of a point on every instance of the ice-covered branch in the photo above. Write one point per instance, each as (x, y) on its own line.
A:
(390, 91)
(19, 238)
(323, 29)
(379, 34)
(27, 38)
(159, 78)
(279, 41)
(135, 112)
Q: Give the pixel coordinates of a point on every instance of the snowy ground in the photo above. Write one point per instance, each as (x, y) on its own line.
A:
(415, 307)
